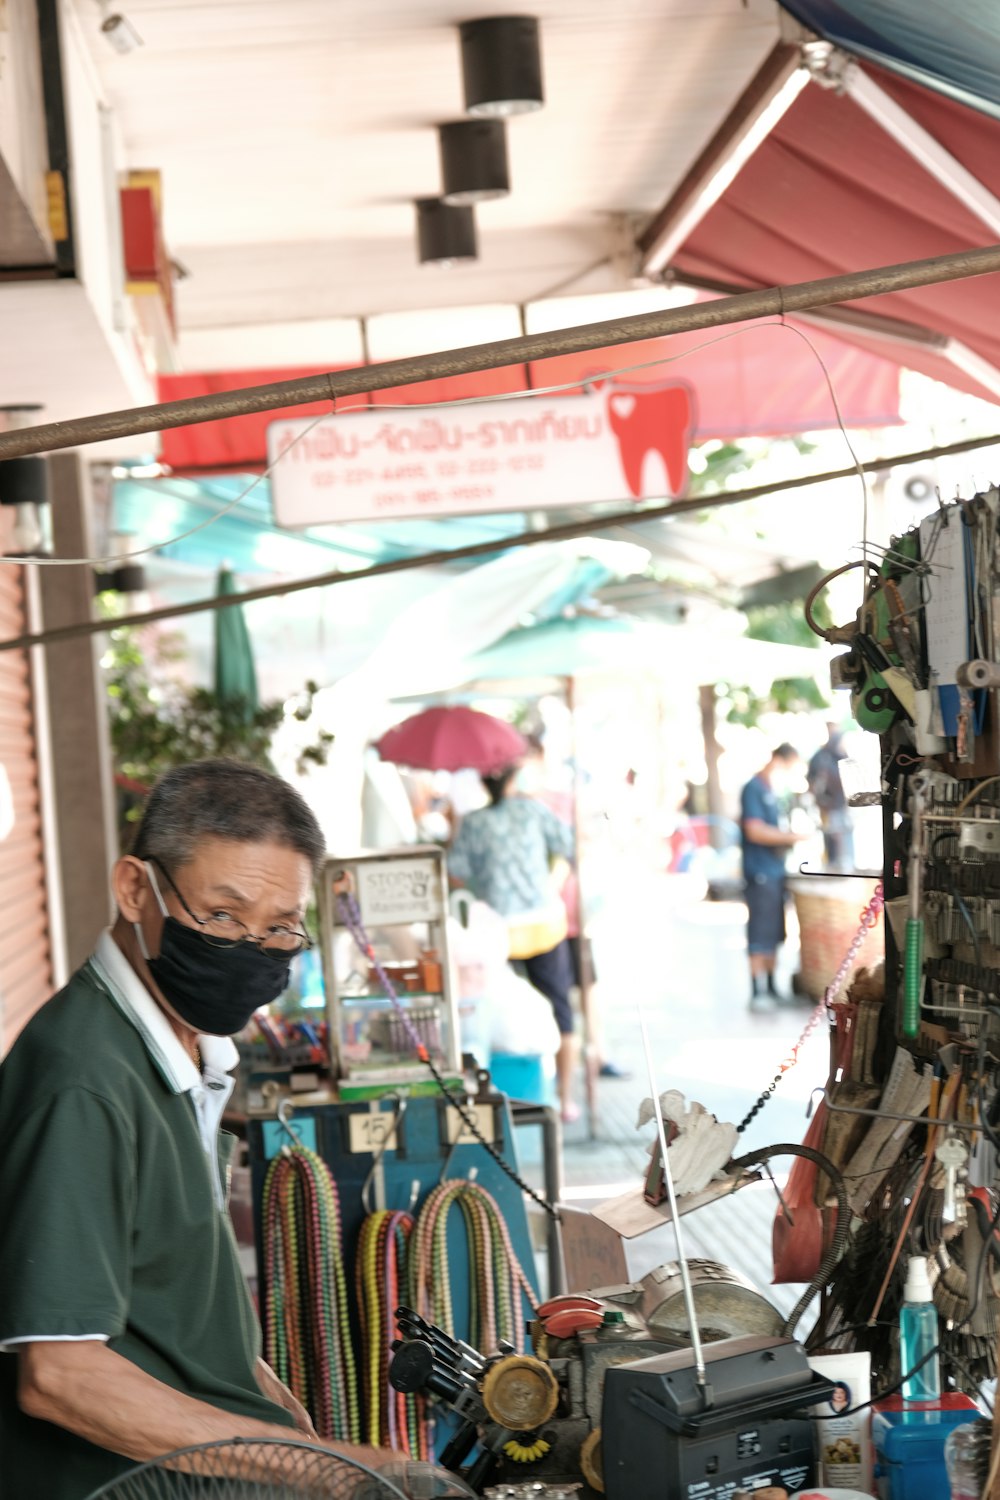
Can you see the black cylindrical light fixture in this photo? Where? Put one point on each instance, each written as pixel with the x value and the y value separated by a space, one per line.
pixel 473 161
pixel 24 481
pixel 446 232
pixel 501 65
pixel 24 485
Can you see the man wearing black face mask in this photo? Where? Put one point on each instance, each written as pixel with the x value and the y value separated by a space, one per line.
pixel 126 1328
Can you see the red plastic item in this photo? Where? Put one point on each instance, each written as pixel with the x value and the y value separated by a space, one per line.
pixel 563 1325
pixel 568 1299
pixel 950 1401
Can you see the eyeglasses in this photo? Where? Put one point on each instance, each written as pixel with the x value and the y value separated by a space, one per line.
pixel 224 930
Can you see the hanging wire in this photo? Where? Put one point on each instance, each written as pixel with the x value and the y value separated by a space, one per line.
pixel 551 390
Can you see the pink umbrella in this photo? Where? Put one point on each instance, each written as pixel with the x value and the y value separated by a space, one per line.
pixel 452 739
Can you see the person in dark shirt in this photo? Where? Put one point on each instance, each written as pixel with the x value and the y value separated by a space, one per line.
pixel 126 1326
pixel 827 787
pixel 765 844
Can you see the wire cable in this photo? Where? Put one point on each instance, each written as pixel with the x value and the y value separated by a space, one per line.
pixel 814 593
pixel 890 1390
pixel 839 1236
pixel 801 333
pixel 970 797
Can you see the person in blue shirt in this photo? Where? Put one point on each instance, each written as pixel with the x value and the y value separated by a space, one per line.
pixel 766 841
pixel 504 853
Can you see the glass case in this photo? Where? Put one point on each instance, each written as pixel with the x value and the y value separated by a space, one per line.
pixel 383 916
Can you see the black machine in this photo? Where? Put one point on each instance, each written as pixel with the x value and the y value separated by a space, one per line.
pixel 593 1408
pixel 666 1435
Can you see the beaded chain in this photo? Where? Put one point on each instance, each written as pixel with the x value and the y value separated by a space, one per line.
pixel 392 1419
pixel 868 919
pixel 496 1278
pixel 307 1334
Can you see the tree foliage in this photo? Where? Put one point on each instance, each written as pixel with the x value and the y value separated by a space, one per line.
pixel 784 624
pixel 158 721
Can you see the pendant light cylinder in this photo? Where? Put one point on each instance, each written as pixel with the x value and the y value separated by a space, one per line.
pixel 445 232
pixel 473 161
pixel 501 66
pixel 24 481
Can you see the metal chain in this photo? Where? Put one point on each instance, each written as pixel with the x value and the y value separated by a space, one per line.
pixel 868 919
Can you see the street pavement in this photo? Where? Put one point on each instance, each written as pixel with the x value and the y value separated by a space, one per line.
pixel 683 959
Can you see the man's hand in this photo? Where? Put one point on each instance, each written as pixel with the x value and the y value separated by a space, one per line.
pixel 759 832
pixel 275 1390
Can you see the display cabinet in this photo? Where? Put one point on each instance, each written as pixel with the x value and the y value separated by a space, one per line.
pixel 394 902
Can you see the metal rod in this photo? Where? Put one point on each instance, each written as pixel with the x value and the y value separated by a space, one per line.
pixel 523 1113
pixel 763 303
pixel 886 1114
pixel 563 532
pixel 668 1177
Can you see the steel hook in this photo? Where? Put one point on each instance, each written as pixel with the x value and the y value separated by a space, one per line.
pixel 284 1114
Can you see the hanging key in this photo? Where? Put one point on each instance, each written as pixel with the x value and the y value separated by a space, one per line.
pixel 953 1155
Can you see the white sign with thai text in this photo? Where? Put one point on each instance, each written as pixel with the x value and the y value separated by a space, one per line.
pixel 492 456
pixel 404 890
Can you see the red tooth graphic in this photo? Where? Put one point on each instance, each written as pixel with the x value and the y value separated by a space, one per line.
pixel 659 421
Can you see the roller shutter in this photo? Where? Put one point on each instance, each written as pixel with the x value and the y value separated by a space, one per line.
pixel 25 957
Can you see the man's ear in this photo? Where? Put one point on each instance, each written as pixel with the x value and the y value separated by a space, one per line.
pixel 131 887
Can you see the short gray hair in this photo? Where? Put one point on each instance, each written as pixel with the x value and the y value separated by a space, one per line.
pixel 224 799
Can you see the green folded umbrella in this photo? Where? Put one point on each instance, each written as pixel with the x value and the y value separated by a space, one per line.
pixel 235 674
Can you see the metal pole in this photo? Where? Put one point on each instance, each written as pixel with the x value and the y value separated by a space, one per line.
pixel 525 1113
pixel 590 1058
pixel 763 303
pixel 668 1177
pixel 564 532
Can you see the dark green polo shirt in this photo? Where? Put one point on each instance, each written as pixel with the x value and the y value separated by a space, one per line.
pixel 110 1225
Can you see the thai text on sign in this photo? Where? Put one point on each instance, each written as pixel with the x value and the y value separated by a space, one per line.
pixel 604 445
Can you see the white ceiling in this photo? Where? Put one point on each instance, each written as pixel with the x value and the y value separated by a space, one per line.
pixel 49 334
pixel 293 135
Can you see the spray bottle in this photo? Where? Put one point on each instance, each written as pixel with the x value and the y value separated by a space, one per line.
pixel 918 1335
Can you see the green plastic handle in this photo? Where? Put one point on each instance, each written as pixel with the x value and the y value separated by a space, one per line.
pixel 912 975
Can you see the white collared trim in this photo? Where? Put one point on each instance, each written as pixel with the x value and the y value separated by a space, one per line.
pixel 219 1053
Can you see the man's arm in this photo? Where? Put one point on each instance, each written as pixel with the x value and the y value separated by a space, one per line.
pixel 759 832
pixel 106 1399
pixel 275 1390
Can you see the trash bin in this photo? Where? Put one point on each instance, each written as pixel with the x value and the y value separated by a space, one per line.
pixel 829 912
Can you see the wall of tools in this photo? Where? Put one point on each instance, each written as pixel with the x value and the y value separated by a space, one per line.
pixel 911 1112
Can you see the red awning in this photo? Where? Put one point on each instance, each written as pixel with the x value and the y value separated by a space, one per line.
pixel 237 442
pixel 760 380
pixel 830 192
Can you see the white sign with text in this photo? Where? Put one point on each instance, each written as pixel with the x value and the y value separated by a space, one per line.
pixel 607 444
pixel 404 890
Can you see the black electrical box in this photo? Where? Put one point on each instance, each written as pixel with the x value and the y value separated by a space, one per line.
pixel 665 1437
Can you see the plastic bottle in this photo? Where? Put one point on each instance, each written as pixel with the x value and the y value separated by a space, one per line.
pixel 967 1458
pixel 918 1334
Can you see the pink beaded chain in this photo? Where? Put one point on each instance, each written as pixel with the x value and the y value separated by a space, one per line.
pixel 867 921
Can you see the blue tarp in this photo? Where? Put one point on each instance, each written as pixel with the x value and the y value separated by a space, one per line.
pixel 952 46
pixel 154 510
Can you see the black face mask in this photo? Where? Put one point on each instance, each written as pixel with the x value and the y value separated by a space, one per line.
pixel 215 990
